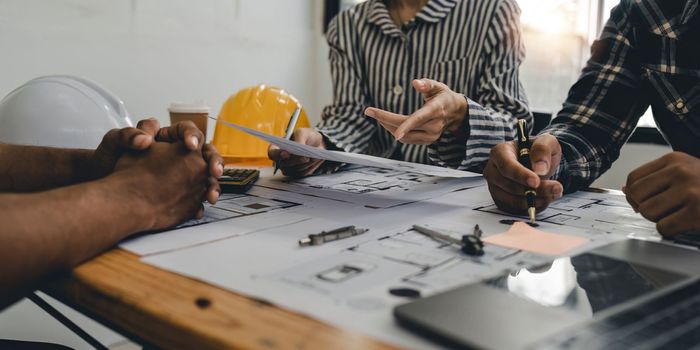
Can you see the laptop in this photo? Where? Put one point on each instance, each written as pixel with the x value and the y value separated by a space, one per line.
pixel 629 294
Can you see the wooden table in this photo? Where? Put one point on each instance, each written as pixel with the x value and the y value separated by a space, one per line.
pixel 165 310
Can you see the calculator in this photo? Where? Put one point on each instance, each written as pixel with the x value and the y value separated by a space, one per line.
pixel 237 180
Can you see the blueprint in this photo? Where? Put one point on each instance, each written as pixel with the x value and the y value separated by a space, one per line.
pixel 355 283
pixel 373 187
pixel 607 213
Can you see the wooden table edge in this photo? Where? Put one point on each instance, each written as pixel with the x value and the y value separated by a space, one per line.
pixel 159 308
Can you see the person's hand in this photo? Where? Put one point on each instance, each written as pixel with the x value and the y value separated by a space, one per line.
pixel 168 183
pixel 193 138
pixel 118 141
pixel 297 166
pixel 507 179
pixel 444 110
pixel 667 192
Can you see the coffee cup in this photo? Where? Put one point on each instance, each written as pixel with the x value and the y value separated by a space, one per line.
pixel 197 112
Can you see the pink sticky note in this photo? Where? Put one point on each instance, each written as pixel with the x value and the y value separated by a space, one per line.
pixel 522 236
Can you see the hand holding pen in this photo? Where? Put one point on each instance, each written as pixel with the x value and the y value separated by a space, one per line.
pixel 524 145
pixel 293 165
pixel 290 131
pixel 508 180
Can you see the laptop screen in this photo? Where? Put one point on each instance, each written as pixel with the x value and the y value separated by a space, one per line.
pixel 585 284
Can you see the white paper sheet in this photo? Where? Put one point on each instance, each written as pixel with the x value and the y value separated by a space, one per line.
pixel 373 187
pixel 347 283
pixel 349 158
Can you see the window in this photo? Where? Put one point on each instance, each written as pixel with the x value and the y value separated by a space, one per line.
pixel 557 36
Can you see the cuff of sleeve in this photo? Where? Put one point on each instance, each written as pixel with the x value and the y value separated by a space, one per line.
pixel 450 149
pixel 561 174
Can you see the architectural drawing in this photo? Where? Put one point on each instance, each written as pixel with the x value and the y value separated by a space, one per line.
pixel 372 187
pixel 605 213
pixel 234 205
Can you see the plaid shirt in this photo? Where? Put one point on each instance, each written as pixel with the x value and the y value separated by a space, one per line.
pixel 648 54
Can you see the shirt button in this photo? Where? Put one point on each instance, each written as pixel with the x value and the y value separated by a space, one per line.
pixel 680 105
pixel 398 90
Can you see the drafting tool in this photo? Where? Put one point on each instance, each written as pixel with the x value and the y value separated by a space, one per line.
pixel 470 244
pixel 524 159
pixel 330 236
pixel 290 130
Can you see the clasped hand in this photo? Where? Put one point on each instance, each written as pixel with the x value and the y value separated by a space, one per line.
pixel 170 168
pixel 667 192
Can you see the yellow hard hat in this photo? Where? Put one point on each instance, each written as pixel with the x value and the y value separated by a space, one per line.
pixel 263 108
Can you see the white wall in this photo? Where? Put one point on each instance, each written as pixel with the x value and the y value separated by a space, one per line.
pixel 153 52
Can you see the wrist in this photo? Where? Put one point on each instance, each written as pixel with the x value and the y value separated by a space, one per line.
pixel 126 190
pixel 458 117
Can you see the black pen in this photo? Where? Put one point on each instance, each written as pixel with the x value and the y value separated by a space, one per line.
pixel 524 159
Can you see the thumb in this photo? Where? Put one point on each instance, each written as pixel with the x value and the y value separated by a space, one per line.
pixel 545 154
pixel 117 141
pixel 427 87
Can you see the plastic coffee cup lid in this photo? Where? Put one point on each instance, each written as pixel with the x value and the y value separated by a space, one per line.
pixel 196 107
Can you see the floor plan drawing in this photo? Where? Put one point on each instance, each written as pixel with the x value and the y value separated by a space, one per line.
pixel 589 211
pixel 373 187
pixel 234 205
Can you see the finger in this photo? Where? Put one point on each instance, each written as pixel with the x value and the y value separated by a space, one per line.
pixel 213 191
pixel 544 151
pixel 660 205
pixel 433 126
pixel 185 131
pixel 293 161
pixel 504 158
pixel 274 153
pixel 301 170
pixel 118 140
pixel 388 128
pixel 681 221
pixel 427 87
pixel 213 158
pixel 418 118
pixel 644 170
pixel 649 186
pixel 517 204
pixel 150 126
pixel 547 188
pixel 385 117
pixel 419 137
pixel 200 212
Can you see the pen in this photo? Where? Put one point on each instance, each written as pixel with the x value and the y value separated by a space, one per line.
pixel 524 159
pixel 330 236
pixel 290 130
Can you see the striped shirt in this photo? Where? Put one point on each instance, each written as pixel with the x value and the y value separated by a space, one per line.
pixel 472 46
pixel 647 55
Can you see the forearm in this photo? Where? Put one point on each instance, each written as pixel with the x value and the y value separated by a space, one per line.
pixel 32 168
pixel 602 107
pixel 484 127
pixel 55 230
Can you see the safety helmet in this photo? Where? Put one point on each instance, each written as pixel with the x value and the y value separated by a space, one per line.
pixel 263 108
pixel 60 111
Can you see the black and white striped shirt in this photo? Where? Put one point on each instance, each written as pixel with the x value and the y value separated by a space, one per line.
pixel 473 46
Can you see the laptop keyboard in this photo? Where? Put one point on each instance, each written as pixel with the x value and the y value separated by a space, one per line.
pixel 670 321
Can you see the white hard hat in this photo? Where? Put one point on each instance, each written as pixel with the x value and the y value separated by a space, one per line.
pixel 60 111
